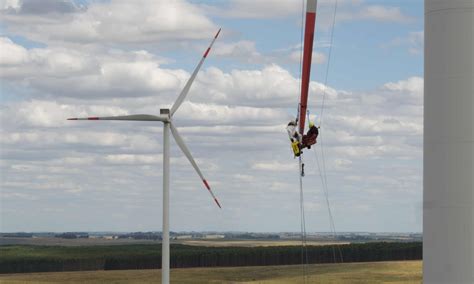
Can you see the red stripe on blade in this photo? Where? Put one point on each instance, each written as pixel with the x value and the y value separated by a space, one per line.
pixel 93 118
pixel 207 51
pixel 217 202
pixel 206 184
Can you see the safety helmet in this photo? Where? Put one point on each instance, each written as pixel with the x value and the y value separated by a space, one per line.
pixel 311 124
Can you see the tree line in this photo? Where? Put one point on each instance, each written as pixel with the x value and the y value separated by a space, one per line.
pixel 19 259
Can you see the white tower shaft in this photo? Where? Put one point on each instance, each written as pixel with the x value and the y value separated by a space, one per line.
pixel 448 211
pixel 165 245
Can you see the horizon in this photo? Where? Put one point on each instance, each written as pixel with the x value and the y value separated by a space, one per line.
pixel 276 232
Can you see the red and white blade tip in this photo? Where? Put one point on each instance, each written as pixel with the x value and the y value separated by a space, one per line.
pixel 210 191
pixel 209 48
pixel 217 202
pixel 87 118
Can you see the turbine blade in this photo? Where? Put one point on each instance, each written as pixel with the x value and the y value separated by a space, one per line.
pixel 188 155
pixel 186 88
pixel 135 117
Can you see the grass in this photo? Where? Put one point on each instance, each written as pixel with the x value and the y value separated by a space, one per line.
pixel 373 272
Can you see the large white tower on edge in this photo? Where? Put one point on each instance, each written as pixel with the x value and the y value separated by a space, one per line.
pixel 448 210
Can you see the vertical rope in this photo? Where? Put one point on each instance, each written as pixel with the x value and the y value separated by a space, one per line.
pixel 320 123
pixel 324 185
pixel 323 175
pixel 304 248
pixel 303 221
pixel 327 65
pixel 331 218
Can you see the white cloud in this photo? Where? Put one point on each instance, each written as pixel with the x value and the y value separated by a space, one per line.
pixel 341 164
pixel 244 178
pixel 133 159
pixel 384 14
pixel 12 54
pixel 83 73
pixel 9 5
pixel 317 57
pixel 411 89
pixel 271 86
pixel 264 9
pixel 275 166
pixel 350 10
pixel 115 22
pixel 414 42
pixel 248 9
pixel 19 62
pixel 47 7
pixel 250 157
pixel 222 114
pixel 376 13
pixel 243 50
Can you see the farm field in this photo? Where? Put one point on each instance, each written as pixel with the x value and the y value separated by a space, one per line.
pixel 254 243
pixel 209 243
pixel 369 272
pixel 71 242
pixel 30 259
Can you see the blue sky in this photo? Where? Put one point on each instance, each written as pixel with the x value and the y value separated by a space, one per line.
pixel 86 58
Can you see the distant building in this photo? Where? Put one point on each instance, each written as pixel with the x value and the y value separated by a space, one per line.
pixel 184 237
pixel 214 236
pixel 110 237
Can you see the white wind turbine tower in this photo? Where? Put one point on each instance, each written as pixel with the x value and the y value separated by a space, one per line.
pixel 166 116
pixel 448 167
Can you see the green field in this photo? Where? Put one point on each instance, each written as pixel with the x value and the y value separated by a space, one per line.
pixel 374 272
pixel 30 259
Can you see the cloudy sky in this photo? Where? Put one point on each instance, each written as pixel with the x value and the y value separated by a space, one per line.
pixel 68 58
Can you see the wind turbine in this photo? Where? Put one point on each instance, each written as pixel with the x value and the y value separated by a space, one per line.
pixel 166 116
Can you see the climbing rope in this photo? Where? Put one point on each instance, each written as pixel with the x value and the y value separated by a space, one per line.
pixel 304 248
pixel 324 185
pixel 327 65
pixel 321 141
pixel 331 218
pixel 322 173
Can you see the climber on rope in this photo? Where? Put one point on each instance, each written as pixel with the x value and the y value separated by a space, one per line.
pixel 310 137
pixel 295 137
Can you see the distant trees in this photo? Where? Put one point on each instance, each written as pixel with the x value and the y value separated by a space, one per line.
pixel 66 236
pixel 16 235
pixel 141 236
pixel 15 259
pixel 71 235
pixel 252 236
pixel 184 256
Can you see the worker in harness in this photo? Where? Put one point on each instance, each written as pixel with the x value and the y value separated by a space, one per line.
pixel 310 137
pixel 295 137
